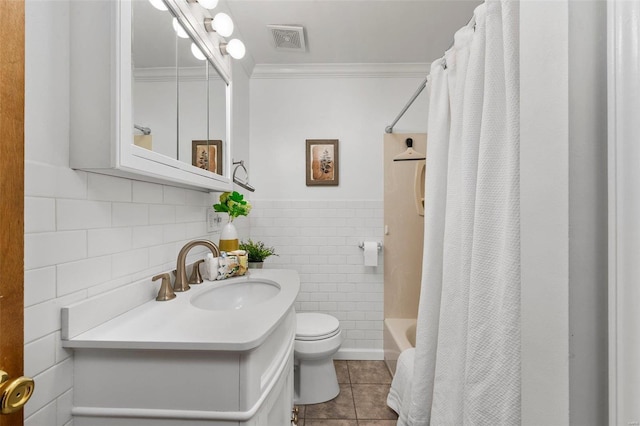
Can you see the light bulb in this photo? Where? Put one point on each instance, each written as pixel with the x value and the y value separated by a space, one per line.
pixel 158 4
pixel 178 29
pixel 222 24
pixel 197 52
pixel 236 48
pixel 208 4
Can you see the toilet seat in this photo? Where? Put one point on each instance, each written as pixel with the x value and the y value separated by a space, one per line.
pixel 312 326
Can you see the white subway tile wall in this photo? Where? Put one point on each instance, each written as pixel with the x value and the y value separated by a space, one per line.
pixel 320 240
pixel 86 234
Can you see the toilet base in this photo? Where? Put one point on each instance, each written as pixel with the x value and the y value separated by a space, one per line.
pixel 315 381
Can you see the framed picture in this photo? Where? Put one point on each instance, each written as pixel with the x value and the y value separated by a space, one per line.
pixel 322 162
pixel 207 155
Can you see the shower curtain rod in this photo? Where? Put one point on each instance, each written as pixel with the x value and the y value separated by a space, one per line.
pixel 389 129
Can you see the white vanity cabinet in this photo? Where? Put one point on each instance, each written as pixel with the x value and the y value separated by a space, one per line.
pixel 101 98
pixel 129 387
pixel 180 363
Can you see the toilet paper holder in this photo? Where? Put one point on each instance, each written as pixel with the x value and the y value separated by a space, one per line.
pixel 361 245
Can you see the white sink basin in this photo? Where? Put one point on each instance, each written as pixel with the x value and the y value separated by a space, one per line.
pixel 236 314
pixel 236 295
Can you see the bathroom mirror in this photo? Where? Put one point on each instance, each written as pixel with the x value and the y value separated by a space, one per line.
pixel 179 100
pixel 217 117
pixel 192 98
pixel 154 82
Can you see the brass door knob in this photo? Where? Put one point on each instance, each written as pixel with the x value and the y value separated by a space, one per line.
pixel 14 393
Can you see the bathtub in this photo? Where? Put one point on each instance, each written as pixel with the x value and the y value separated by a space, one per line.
pixel 399 334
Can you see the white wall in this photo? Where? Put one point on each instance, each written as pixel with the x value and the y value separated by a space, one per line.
pixel 316 230
pixel 287 111
pixel 544 203
pixel 84 233
pixel 588 372
pixel 564 216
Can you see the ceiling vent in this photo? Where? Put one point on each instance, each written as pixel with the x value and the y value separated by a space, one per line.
pixel 288 37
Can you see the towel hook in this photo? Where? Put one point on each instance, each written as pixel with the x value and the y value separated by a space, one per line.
pixel 243 183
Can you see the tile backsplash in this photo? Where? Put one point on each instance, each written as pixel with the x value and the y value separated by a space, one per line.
pixel 87 234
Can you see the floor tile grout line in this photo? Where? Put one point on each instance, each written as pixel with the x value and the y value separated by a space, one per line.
pixel 353 398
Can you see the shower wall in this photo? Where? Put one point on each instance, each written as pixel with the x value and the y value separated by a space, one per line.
pixel 404 226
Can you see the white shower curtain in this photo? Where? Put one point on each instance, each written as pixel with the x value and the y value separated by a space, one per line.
pixel 467 356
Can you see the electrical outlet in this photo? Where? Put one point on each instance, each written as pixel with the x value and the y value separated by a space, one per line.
pixel 214 221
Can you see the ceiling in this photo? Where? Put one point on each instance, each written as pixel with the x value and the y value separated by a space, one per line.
pixel 350 31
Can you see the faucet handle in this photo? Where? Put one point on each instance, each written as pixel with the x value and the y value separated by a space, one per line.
pixel 196 277
pixel 166 291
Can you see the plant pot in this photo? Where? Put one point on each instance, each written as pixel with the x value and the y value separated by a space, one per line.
pixel 229 238
pixel 255 265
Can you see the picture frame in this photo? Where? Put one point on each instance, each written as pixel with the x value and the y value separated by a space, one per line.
pixel 322 162
pixel 207 155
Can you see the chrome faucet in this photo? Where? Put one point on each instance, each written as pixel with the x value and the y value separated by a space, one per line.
pixel 181 283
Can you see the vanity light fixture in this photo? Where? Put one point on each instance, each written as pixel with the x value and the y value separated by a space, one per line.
pixel 159 4
pixel 221 23
pixel 234 48
pixel 207 4
pixel 178 29
pixel 195 50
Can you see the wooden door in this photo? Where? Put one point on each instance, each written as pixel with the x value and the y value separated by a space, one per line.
pixel 11 193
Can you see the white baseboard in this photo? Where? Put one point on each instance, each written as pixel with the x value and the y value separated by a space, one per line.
pixel 360 354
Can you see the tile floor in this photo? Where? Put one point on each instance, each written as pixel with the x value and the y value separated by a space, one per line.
pixel 362 400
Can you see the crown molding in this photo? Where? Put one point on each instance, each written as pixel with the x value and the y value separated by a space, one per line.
pixel 273 71
pixel 276 71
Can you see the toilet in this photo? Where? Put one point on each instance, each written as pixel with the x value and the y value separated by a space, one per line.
pixel 318 338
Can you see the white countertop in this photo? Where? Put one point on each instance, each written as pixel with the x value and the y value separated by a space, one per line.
pixel 178 325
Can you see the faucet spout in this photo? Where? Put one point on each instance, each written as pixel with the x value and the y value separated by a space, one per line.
pixel 181 283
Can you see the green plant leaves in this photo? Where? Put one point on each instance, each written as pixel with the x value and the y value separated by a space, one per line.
pixel 234 204
pixel 257 251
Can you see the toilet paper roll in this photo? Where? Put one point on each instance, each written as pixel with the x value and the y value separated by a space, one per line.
pixel 370 253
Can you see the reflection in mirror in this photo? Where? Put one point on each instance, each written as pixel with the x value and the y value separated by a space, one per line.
pixel 179 98
pixel 155 105
pixel 217 116
pixel 192 98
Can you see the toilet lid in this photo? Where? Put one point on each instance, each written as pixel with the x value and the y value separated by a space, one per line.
pixel 315 326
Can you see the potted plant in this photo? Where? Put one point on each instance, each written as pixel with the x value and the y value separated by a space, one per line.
pixel 257 252
pixel 235 205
